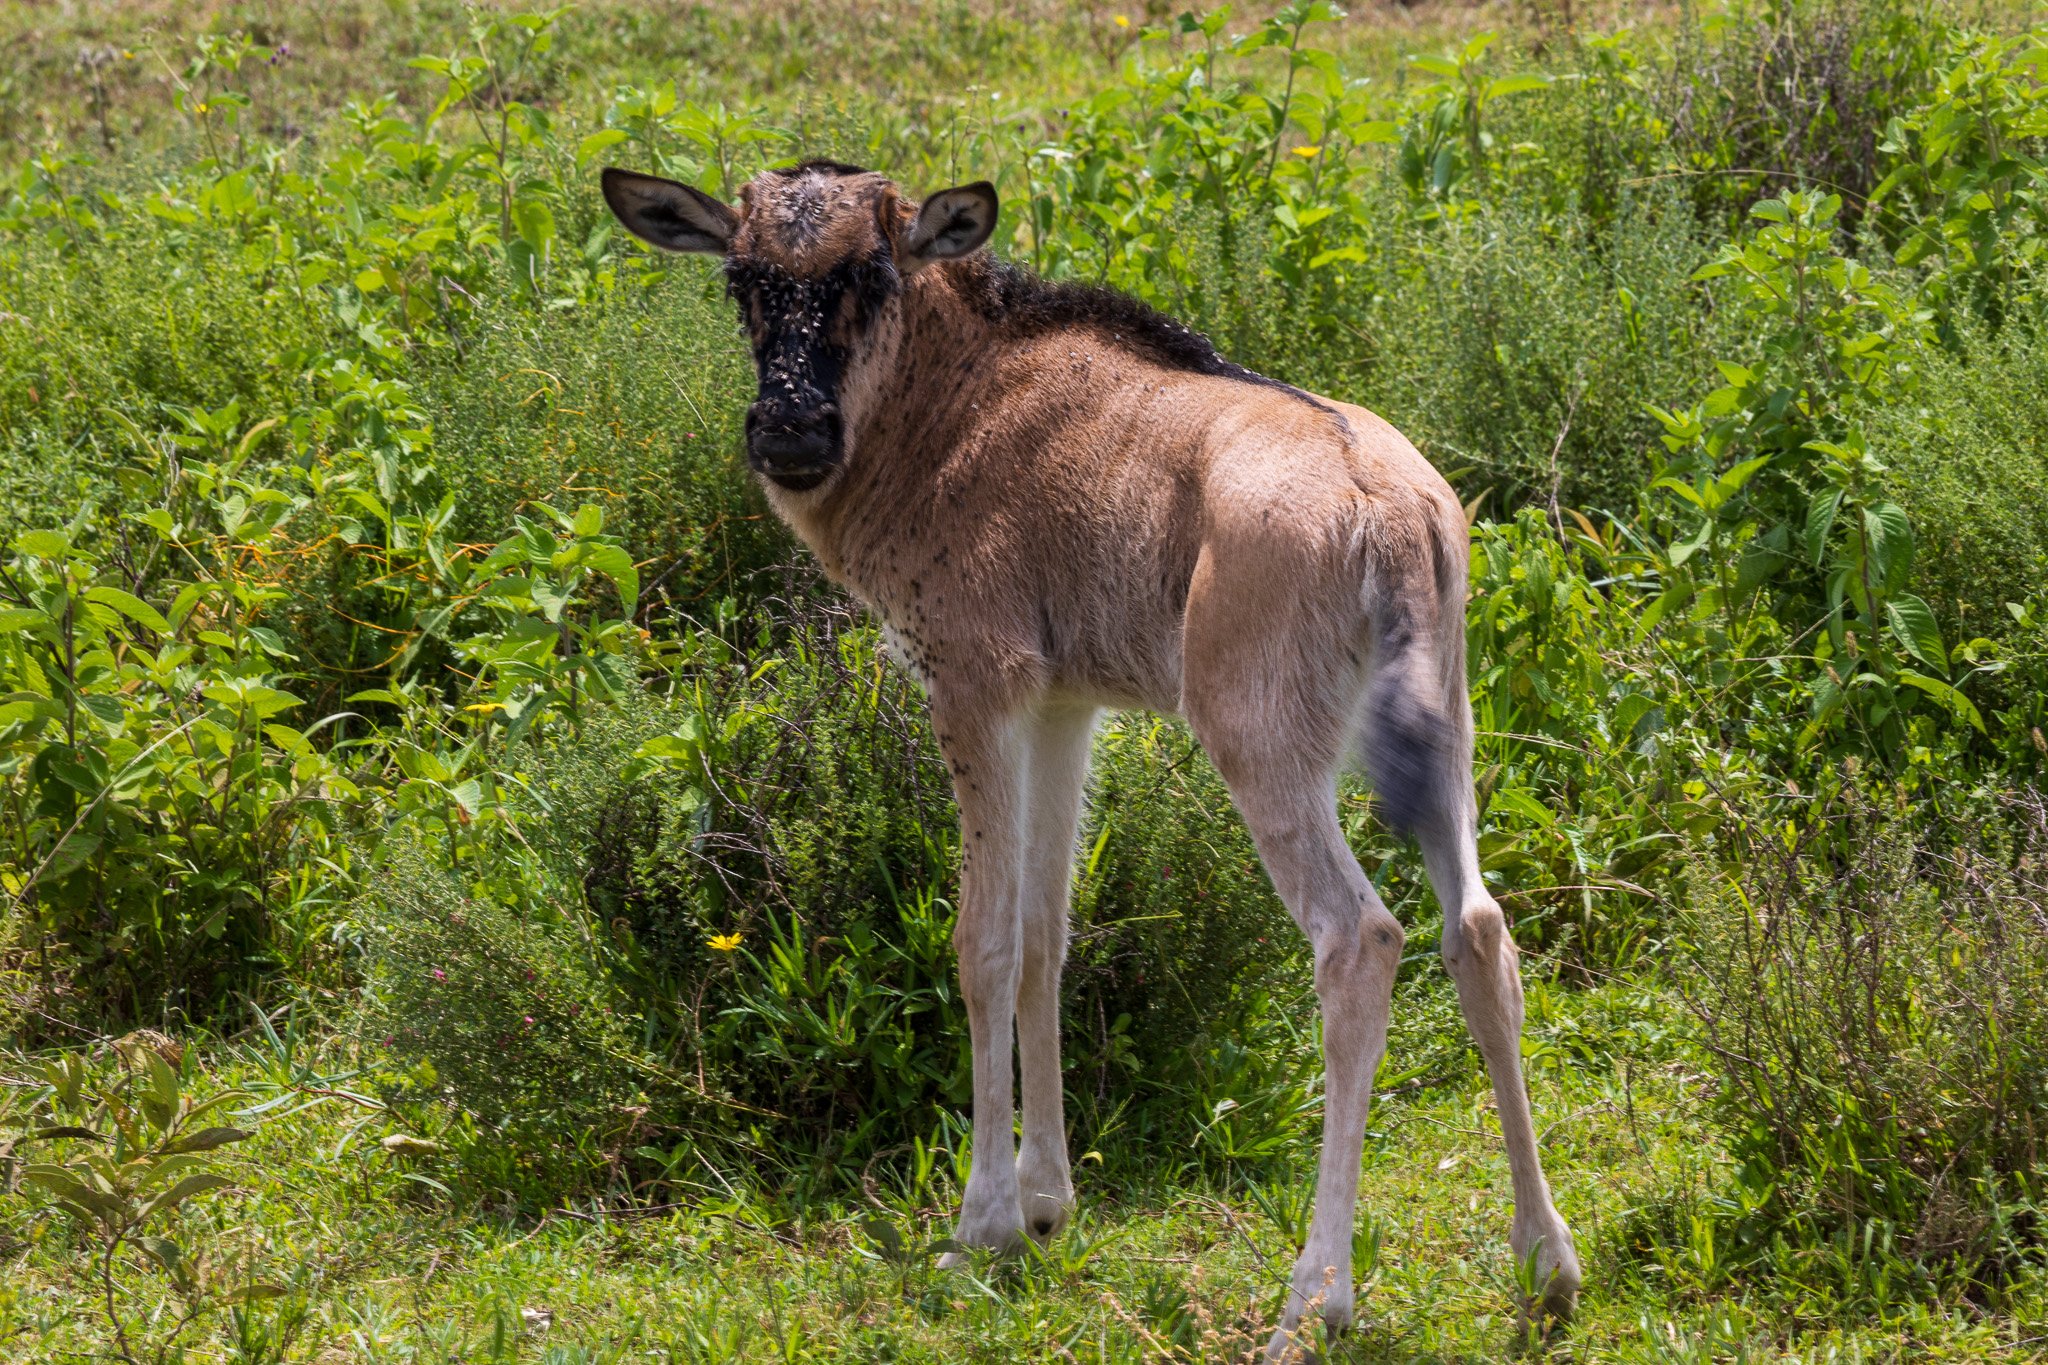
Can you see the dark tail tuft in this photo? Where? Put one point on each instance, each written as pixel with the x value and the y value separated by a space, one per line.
pixel 1406 734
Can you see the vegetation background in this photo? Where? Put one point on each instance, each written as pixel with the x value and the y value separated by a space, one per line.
pixel 470 892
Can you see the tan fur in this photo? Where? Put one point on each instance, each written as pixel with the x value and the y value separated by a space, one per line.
pixel 809 223
pixel 1054 523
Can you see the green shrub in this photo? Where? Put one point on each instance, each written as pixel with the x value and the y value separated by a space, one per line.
pixel 772 851
pixel 633 402
pixel 509 1006
pixel 1969 462
pixel 1519 347
pixel 1873 987
pixel 1178 939
pixel 765 859
pixel 1783 94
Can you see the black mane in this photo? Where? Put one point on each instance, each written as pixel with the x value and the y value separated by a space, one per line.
pixel 1026 304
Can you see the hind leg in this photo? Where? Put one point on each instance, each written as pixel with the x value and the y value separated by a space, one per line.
pixel 1271 701
pixel 1278 752
pixel 1290 806
pixel 1482 961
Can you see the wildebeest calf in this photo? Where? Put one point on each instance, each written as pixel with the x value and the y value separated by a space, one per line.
pixel 1058 500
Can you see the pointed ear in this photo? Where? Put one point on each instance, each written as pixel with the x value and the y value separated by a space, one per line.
pixel 952 223
pixel 668 215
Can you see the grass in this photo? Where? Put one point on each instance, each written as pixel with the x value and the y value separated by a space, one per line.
pixel 91 75
pixel 383 1266
pixel 392 1273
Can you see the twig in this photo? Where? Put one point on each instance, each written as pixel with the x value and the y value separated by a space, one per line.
pixel 1556 449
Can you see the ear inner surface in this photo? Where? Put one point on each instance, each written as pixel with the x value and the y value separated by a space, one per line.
pixel 954 222
pixel 669 215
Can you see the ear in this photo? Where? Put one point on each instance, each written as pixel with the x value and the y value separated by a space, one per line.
pixel 668 215
pixel 952 223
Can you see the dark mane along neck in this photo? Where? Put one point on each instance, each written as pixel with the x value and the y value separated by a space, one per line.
pixel 1022 304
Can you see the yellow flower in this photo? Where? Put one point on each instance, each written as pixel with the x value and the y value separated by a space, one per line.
pixel 724 943
pixel 1306 151
pixel 1122 22
pixel 202 106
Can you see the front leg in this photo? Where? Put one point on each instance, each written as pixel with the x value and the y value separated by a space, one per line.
pixel 986 753
pixel 1054 776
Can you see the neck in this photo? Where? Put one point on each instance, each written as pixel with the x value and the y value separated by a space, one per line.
pixel 929 386
pixel 925 393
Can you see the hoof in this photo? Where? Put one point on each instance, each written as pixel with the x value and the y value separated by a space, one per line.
pixel 1045 1217
pixel 986 1224
pixel 1550 1279
pixel 1045 1191
pixel 1293 1346
pixel 1313 1292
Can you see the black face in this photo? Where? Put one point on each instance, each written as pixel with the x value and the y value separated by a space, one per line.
pixel 803 331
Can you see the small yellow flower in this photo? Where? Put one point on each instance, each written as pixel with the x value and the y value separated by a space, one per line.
pixel 1306 151
pixel 1122 22
pixel 724 943
pixel 202 106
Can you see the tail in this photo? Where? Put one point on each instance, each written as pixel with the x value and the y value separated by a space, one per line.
pixel 1407 736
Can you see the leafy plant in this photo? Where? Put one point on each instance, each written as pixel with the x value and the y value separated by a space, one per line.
pixel 1874 994
pixel 124 1155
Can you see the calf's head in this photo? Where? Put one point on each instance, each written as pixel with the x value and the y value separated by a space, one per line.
pixel 815 257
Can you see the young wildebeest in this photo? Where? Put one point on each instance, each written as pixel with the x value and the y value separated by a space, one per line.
pixel 1058 500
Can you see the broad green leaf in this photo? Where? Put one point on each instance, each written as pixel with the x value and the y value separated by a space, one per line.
pixel 1515 85
pixel 157 520
pixel 614 563
pixel 70 855
pixel 1820 520
pixel 1730 483
pixel 185 1189
pixel 254 1293
pixel 1945 693
pixel 597 142
pixel 60 1183
pixel 535 222
pixel 164 1252
pixel 160 1100
pixel 1890 535
pixel 130 606
pixel 1914 627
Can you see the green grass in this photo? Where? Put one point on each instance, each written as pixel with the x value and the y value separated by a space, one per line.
pixel 98 75
pixel 382 1265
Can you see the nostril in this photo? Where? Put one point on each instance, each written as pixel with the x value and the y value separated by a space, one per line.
pixel 1044 1226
